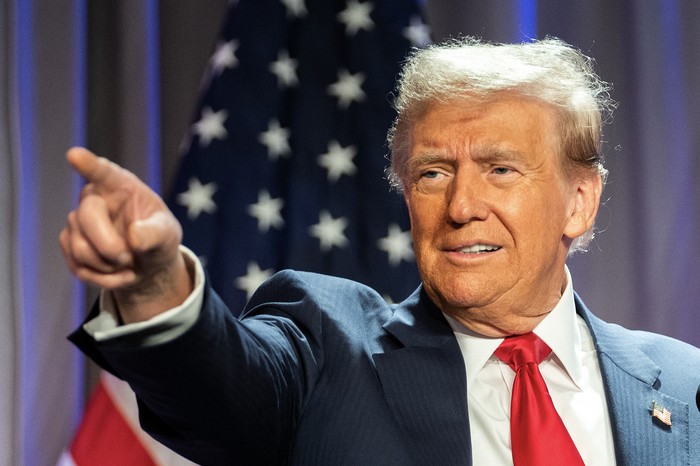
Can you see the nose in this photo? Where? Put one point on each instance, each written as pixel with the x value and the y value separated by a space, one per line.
pixel 466 199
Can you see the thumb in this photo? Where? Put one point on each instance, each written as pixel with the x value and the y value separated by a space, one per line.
pixel 158 233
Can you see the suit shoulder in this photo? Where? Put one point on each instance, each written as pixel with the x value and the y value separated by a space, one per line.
pixel 655 345
pixel 322 286
pixel 658 345
pixel 677 360
pixel 616 337
pixel 329 295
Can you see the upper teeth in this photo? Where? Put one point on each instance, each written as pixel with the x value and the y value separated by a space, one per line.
pixel 479 248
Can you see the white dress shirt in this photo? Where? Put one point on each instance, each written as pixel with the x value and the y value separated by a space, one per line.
pixel 572 375
pixel 571 372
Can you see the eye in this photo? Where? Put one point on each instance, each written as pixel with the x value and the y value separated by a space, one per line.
pixel 432 180
pixel 431 174
pixel 502 175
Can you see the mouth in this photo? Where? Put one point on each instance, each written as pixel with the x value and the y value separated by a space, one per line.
pixel 478 249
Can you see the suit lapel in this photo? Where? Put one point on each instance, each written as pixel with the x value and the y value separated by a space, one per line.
pixel 631 381
pixel 424 381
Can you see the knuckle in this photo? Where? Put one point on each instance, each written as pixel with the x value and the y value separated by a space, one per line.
pixel 83 274
pixel 87 190
pixel 63 237
pixel 82 252
pixel 72 219
pixel 90 201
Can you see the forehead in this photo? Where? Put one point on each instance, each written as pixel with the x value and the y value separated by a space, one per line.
pixel 505 122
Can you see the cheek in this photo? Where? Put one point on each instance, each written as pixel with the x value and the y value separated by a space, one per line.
pixel 423 229
pixel 419 235
pixel 532 218
pixel 421 215
pixel 548 231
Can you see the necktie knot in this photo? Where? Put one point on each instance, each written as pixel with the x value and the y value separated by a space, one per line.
pixel 523 349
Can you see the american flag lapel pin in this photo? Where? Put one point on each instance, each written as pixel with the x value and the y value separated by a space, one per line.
pixel 660 413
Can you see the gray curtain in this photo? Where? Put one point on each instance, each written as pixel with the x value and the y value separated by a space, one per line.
pixel 123 78
pixel 41 95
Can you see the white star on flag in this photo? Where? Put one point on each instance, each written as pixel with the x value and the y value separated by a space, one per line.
pixel 224 56
pixel 301 137
pixel 418 33
pixel 338 161
pixel 211 126
pixel 348 88
pixel 276 139
pixel 198 198
pixel 356 17
pixel 295 8
pixel 267 212
pixel 253 278
pixel 397 244
pixel 285 69
pixel 329 231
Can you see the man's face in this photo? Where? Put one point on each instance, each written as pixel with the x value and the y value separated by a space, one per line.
pixel 492 213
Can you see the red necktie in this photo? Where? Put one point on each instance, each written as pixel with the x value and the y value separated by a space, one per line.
pixel 538 435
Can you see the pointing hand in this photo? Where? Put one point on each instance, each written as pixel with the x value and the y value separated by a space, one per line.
pixel 122 237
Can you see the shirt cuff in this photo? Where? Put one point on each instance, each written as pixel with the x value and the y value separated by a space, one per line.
pixel 159 329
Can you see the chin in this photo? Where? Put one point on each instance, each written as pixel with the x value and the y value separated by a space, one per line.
pixel 457 298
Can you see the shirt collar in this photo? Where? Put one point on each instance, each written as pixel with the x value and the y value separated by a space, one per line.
pixel 559 329
pixel 561 332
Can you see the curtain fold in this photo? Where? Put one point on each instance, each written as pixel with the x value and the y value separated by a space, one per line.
pixel 44 105
pixel 8 355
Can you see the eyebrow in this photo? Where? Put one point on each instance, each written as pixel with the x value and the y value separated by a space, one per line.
pixel 428 159
pixel 493 153
pixel 488 154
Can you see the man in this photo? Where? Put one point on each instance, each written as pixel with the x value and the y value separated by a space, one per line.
pixel 497 151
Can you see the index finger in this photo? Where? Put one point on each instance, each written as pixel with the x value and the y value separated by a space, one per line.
pixel 97 170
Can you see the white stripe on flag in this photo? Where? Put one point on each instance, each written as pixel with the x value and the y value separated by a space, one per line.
pixel 110 433
pixel 66 460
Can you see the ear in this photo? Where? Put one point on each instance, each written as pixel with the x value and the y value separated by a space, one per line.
pixel 584 204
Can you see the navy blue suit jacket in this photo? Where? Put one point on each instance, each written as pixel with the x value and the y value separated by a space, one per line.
pixel 321 371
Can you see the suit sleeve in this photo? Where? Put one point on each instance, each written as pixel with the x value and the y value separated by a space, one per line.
pixel 228 390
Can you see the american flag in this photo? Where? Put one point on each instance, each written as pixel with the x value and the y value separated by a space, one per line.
pixel 284 164
pixel 660 413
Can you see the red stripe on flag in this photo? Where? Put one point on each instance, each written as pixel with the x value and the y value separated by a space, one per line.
pixel 105 438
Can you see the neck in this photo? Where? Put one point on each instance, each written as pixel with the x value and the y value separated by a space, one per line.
pixel 515 325
pixel 503 317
